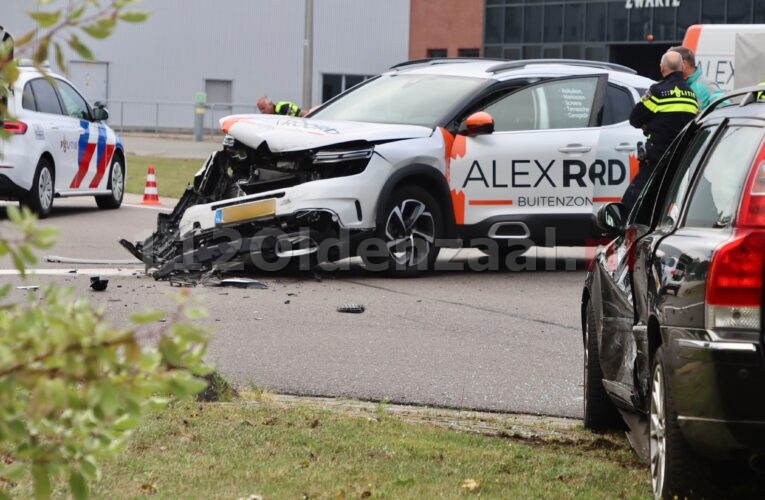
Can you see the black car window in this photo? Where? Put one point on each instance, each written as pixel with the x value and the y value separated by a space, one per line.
pixel 618 105
pixel 718 189
pixel 669 214
pixel 74 104
pixel 556 104
pixel 45 96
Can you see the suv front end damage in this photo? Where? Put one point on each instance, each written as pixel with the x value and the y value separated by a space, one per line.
pixel 252 206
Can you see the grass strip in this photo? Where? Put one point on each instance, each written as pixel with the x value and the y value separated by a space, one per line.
pixel 172 174
pixel 249 449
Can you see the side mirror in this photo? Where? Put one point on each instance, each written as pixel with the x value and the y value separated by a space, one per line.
pixel 100 113
pixel 478 123
pixel 611 219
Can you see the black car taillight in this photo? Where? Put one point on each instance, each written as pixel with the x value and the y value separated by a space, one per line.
pixel 14 127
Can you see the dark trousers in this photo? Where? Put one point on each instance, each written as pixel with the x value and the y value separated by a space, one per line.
pixel 636 186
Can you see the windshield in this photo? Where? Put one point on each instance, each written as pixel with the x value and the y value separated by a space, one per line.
pixel 405 99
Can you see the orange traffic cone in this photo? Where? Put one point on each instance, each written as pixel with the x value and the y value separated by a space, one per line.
pixel 150 195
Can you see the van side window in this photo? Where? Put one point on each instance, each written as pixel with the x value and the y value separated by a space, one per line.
pixel 45 96
pixel 617 106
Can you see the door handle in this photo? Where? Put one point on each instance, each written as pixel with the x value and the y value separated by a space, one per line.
pixel 625 147
pixel 574 148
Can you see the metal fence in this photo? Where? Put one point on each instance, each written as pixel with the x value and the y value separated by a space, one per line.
pixel 157 116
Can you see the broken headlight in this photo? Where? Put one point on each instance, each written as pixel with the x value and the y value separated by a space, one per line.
pixel 341 162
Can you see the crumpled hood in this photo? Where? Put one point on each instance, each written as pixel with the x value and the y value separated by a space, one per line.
pixel 285 133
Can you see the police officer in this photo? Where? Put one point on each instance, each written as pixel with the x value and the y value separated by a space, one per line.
pixel 662 112
pixel 267 106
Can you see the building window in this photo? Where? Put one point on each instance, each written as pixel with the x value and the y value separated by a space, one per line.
pixel 513 24
pixel 712 12
pixel 553 25
pixel 437 52
pixel 469 52
pixel 739 11
pixel 333 84
pixel 532 31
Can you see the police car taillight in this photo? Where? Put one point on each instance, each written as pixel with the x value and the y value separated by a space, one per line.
pixel 15 127
pixel 733 295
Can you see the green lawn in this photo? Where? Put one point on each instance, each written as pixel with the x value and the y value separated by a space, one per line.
pixel 233 450
pixel 173 175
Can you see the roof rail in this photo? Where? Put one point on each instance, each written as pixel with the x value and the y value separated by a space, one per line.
pixel 521 63
pixel 440 60
pixel 28 62
pixel 755 93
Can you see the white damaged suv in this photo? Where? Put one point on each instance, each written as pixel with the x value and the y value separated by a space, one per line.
pixel 498 155
pixel 55 144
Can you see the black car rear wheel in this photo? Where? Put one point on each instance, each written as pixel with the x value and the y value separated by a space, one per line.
pixel 676 470
pixel 599 412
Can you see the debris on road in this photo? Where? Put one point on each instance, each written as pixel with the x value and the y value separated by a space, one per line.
pixel 97 284
pixel 107 262
pixel 28 287
pixel 243 283
pixel 351 308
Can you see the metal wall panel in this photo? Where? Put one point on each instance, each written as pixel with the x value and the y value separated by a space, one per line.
pixel 257 44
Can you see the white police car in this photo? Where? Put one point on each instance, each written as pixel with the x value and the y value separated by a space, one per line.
pixel 54 144
pixel 498 155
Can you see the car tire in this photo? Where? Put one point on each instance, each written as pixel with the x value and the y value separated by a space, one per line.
pixel 676 470
pixel 600 413
pixel 116 184
pixel 40 198
pixel 412 224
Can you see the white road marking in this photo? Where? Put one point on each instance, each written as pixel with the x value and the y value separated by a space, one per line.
pixel 114 271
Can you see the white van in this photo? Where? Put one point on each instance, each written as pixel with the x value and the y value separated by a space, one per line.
pixel 729 54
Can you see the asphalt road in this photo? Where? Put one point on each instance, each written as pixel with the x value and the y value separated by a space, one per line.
pixel 502 341
pixel 491 340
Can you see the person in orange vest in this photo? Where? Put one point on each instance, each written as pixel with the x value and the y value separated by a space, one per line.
pixel 267 106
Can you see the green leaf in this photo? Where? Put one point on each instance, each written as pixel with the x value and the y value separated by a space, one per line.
pixel 80 48
pixel 46 19
pixel 60 62
pixel 147 317
pixel 126 422
pixel 78 485
pixel 77 13
pixel 14 472
pixel 97 31
pixel 135 16
pixel 41 481
pixel 90 469
pixel 41 54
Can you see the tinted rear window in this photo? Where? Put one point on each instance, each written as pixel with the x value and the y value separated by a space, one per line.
pixel 718 189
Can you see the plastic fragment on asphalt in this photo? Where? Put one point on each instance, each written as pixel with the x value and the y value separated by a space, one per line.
pixel 243 283
pixel 97 284
pixel 351 308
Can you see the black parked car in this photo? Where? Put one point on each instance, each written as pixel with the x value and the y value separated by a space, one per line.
pixel 672 307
